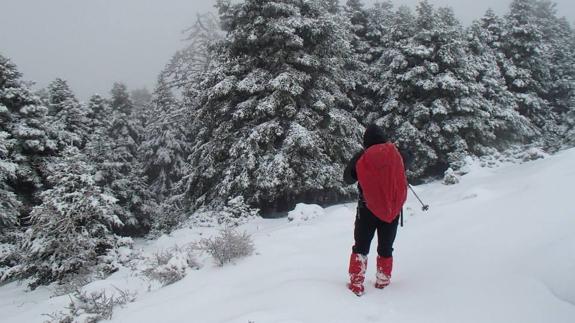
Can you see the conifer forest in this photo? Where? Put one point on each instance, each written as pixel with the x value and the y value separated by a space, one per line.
pixel 261 110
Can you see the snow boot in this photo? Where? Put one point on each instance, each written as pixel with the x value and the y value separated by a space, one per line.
pixel 357 266
pixel 383 276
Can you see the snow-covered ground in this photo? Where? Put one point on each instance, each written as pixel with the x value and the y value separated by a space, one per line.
pixel 497 247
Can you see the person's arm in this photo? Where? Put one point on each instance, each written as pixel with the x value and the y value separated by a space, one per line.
pixel 349 174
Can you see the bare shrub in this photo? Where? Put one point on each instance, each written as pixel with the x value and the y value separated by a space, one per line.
pixel 227 246
pixel 170 265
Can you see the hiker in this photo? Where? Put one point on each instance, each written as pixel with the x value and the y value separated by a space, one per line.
pixel 380 172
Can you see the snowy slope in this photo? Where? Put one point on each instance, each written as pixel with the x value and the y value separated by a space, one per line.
pixel 498 247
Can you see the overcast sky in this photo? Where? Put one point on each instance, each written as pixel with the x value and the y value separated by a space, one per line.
pixel 93 43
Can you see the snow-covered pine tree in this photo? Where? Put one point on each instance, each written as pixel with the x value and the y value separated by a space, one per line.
pixel 332 6
pixel 99 143
pixel 165 147
pixel 359 23
pixel 529 76
pixel 559 40
pixel 493 34
pixel 507 125
pixel 569 120
pixel 141 99
pixel 493 30
pixel 271 123
pixel 25 141
pixel 569 115
pixel 361 38
pixel 98 114
pixel 119 169
pixel 385 30
pixel 395 30
pixel 383 24
pixel 58 95
pixel 163 153
pixel 431 101
pixel 72 229
pixel 9 204
pixel 69 123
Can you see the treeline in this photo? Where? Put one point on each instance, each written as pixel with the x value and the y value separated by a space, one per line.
pixel 70 180
pixel 262 110
pixel 274 104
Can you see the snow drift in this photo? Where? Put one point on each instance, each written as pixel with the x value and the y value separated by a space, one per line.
pixel 497 247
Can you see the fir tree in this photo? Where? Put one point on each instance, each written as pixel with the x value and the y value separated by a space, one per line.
pixel 529 75
pixel 559 42
pixel 508 126
pixel 100 121
pixel 164 149
pixel 72 229
pixel 332 6
pixel 394 30
pixel 270 123
pixel 98 114
pixel 9 204
pixel 570 125
pixel 24 142
pixel 437 100
pixel 141 99
pixel 359 25
pixel 119 169
pixel 68 118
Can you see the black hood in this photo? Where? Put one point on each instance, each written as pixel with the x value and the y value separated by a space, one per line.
pixel 373 135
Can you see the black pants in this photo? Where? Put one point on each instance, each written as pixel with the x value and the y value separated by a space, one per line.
pixel 366 223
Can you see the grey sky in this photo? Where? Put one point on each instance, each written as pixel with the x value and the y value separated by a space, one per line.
pixel 93 43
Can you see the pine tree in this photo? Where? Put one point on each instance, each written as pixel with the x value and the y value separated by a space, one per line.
pixel 332 6
pixel 358 78
pixel 559 42
pixel 270 123
pixel 508 126
pixel 569 117
pixel 98 114
pixel 394 30
pixel 24 143
pixel 164 149
pixel 493 32
pixel 68 118
pixel 99 143
pixel 384 25
pixel 72 229
pixel 119 169
pixel 141 99
pixel 9 204
pixel 529 75
pixel 437 100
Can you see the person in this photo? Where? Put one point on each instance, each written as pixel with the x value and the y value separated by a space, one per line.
pixel 367 223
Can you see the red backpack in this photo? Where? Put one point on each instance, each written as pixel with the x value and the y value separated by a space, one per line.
pixel 381 176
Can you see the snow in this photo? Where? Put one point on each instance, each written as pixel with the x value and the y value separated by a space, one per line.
pixel 496 247
pixel 305 212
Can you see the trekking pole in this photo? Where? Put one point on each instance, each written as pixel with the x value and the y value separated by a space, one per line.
pixel 424 207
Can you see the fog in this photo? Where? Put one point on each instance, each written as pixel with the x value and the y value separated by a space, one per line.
pixel 93 43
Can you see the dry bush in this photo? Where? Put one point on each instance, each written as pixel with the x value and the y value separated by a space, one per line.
pixel 169 266
pixel 91 307
pixel 227 246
